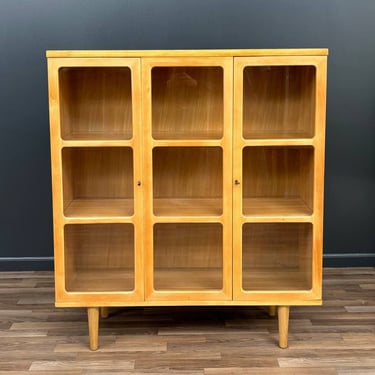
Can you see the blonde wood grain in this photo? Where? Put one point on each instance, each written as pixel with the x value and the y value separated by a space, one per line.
pixel 278 102
pixel 100 207
pixel 189 181
pixel 93 322
pixel 283 315
pixel 96 103
pixel 274 173
pixel 99 175
pixel 189 53
pixel 187 102
pixel 277 256
pixel 99 257
pixel 104 312
pixel 188 207
pixel 275 206
pixel 272 311
pixel 188 173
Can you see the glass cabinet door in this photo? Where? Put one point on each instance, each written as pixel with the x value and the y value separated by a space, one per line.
pixel 277 168
pixel 188 159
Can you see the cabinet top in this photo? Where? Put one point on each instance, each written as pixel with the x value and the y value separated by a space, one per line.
pixel 197 52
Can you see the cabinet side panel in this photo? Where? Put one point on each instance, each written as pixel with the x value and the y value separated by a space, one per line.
pixel 56 171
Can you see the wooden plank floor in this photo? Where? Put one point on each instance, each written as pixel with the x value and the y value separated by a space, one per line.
pixel 337 338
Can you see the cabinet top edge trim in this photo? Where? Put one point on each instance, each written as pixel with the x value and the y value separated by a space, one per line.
pixel 187 53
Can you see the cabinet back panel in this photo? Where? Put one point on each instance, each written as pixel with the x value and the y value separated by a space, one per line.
pixel 96 103
pixel 188 245
pixel 99 253
pixel 187 102
pixel 278 101
pixel 278 172
pixel 98 173
pixel 276 250
pixel 188 172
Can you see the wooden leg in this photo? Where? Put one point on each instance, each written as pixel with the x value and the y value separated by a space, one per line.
pixel 93 319
pixel 104 312
pixel 283 313
pixel 272 311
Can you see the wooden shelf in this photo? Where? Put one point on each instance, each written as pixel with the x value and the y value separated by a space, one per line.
pixel 99 257
pixel 187 102
pixel 100 207
pixel 278 102
pixel 277 256
pixel 97 136
pixel 99 280
pixel 186 279
pixel 96 103
pixel 188 256
pixel 188 207
pixel 184 136
pixel 274 279
pixel 280 206
pixel 98 181
pixel 271 134
pixel 187 175
pixel 278 180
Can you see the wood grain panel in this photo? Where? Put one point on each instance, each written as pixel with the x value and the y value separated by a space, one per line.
pixel 94 178
pixel 188 173
pixel 96 102
pixel 278 102
pixel 277 256
pixel 187 102
pixel 273 173
pixel 99 257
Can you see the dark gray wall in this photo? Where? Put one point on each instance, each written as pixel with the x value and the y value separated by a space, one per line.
pixel 28 28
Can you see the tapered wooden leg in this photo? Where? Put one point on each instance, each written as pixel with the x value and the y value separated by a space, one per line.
pixel 283 313
pixel 272 311
pixel 104 312
pixel 93 320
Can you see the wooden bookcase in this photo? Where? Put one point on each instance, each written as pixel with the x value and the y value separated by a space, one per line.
pixel 187 178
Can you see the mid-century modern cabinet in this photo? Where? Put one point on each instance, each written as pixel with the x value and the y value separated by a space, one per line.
pixel 187 178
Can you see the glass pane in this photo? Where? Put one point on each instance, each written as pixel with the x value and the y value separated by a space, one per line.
pixel 188 257
pixel 187 102
pixel 278 181
pixel 277 256
pixel 99 257
pixel 96 103
pixel 188 181
pixel 98 181
pixel 278 102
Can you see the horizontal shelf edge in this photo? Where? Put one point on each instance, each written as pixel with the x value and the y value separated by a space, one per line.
pixel 99 220
pixel 277 219
pixel 95 143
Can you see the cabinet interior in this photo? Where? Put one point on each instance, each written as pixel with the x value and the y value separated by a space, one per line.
pixel 278 180
pixel 276 256
pixel 278 102
pixel 98 181
pixel 187 181
pixel 95 103
pixel 99 257
pixel 188 256
pixel 187 102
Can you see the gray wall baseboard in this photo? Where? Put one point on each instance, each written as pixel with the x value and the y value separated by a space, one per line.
pixel 26 264
pixel 46 263
pixel 349 260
